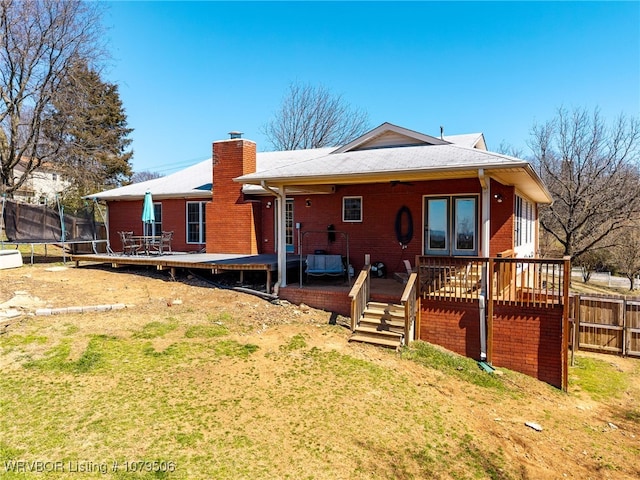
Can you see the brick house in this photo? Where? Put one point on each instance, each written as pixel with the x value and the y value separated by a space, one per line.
pixel 459 199
pixel 393 196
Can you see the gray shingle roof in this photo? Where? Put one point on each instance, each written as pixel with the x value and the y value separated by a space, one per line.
pixel 324 166
pixel 192 182
pixel 380 161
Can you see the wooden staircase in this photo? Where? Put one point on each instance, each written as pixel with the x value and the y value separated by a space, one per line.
pixel 385 324
pixel 381 324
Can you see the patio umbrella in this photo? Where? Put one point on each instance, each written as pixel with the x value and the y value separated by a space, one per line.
pixel 148 216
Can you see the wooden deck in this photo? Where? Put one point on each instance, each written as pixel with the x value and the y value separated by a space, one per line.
pixel 214 262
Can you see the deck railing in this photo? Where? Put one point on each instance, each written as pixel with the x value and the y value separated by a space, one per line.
pixel 450 278
pixel 530 281
pixel 520 281
pixel 359 295
pixel 410 304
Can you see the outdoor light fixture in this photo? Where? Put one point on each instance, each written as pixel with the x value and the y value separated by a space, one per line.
pixel 498 197
pixel 268 204
pixel 307 202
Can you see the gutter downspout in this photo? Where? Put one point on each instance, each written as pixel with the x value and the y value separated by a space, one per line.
pixel 281 244
pixel 486 236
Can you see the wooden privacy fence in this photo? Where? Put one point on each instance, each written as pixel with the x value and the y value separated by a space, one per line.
pixel 605 323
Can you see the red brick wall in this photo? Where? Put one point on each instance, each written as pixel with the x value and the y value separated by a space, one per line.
pixel 231 225
pixel 501 218
pixel 375 235
pixel 525 339
pixel 237 225
pixel 331 301
pixel 452 325
pixel 127 216
pixel 529 340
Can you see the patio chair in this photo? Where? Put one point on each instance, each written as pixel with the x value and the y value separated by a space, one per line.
pixel 129 245
pixel 403 277
pixel 163 245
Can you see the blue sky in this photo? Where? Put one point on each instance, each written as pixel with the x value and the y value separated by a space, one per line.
pixel 189 72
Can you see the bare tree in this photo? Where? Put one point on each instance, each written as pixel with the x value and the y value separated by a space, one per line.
pixel 591 170
pixel 506 148
pixel 314 117
pixel 590 261
pixel 39 40
pixel 144 175
pixel 626 255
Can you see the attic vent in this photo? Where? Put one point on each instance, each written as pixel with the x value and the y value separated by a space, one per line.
pixel 235 134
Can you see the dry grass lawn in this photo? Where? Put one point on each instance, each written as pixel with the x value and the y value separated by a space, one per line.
pixel 195 382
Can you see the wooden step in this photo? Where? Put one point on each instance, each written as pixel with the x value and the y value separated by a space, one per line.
pixel 381 324
pixel 376 333
pixel 383 306
pixel 388 310
pixel 389 342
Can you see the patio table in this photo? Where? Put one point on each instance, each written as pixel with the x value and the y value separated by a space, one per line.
pixel 146 242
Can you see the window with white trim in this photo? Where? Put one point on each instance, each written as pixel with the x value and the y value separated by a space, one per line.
pixel 196 222
pixel 524 222
pixel 157 223
pixel 351 209
pixel 451 225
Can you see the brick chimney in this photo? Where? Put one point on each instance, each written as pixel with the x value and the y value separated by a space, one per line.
pixel 231 226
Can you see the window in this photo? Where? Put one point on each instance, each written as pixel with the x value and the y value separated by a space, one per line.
pixel 157 213
pixel 288 224
pixel 196 222
pixel 289 230
pixel 465 224
pixel 451 225
pixel 437 225
pixel 352 209
pixel 524 226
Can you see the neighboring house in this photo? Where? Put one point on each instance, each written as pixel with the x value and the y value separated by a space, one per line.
pixel 42 185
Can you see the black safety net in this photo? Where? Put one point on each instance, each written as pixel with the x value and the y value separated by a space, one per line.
pixel 28 223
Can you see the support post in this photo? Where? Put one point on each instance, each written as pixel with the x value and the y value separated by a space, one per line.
pixel 282 240
pixel 489 302
pixel 575 340
pixel 486 236
pixel 566 279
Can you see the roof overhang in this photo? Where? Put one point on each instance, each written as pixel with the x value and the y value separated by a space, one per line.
pixel 128 198
pixel 522 176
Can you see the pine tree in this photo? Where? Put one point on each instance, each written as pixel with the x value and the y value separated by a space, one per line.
pixel 90 123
